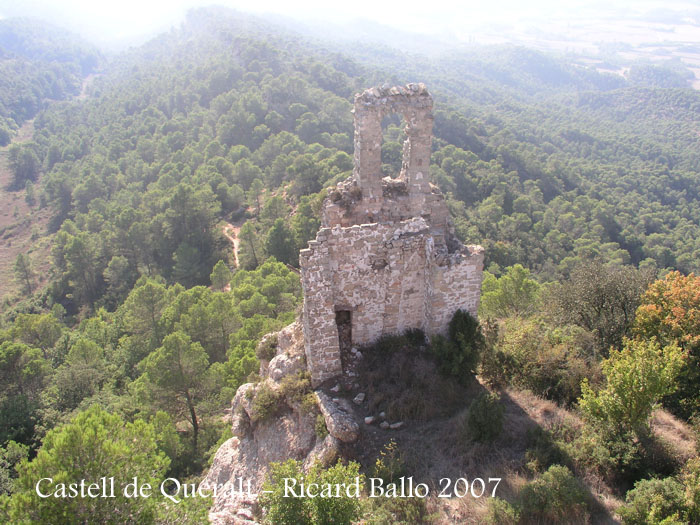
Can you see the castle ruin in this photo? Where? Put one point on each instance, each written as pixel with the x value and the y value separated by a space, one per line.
pixel 386 258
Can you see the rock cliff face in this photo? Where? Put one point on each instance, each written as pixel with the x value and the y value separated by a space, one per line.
pixel 287 432
pixel 385 260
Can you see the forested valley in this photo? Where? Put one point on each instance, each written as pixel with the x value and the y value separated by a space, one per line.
pixel 181 178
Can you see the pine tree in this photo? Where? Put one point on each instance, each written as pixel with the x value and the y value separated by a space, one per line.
pixel 24 274
pixel 280 243
pixel 220 276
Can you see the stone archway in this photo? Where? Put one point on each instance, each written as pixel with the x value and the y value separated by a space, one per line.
pixel 415 105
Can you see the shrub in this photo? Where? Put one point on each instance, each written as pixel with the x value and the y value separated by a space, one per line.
pixel 458 355
pixel 543 450
pixel 653 501
pixel 278 509
pixel 485 418
pixel 281 510
pixel 390 464
pixel 554 497
pixel 691 480
pixel 498 368
pixel 549 361
pixel 266 403
pixel 320 427
pixel 396 511
pixel 295 387
pixel 695 428
pixel 309 404
pixel 669 312
pixel 618 458
pixel 667 501
pixel 464 330
pixel 502 513
pixel 556 370
pixel 189 510
pixel 267 348
pixel 334 510
pixel 387 343
pixel 415 337
pixel 637 377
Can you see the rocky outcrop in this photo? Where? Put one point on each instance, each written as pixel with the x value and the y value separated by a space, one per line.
pixel 284 365
pixel 288 433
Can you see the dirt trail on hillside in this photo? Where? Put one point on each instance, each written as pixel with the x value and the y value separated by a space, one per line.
pixel 231 232
pixel 87 81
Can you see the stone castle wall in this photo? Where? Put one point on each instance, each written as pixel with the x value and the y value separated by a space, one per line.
pixel 386 251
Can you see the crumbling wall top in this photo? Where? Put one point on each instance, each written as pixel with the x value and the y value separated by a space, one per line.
pixel 415 104
pixel 395 99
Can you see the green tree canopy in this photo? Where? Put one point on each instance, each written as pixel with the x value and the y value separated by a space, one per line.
pixel 638 376
pixel 220 276
pixel 94 445
pixel 24 274
pixel 24 164
pixel 601 298
pixel 176 371
pixel 280 243
pixel 513 294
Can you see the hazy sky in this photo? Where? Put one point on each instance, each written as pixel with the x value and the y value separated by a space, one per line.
pixel 110 21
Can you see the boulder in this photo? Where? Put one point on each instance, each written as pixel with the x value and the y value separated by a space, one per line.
pixel 340 422
pixel 283 365
pixel 243 400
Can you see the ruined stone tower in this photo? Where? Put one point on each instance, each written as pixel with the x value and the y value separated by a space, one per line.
pixel 386 258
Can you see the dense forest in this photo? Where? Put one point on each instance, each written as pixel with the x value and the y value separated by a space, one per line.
pixel 582 188
pixel 38 63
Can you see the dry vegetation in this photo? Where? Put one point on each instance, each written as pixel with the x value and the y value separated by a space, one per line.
pixel 433 444
pixel 674 432
pixel 23 229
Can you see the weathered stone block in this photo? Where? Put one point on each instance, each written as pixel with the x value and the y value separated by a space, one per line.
pixel 340 422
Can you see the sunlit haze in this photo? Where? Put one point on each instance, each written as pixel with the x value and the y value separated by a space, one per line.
pixel 126 22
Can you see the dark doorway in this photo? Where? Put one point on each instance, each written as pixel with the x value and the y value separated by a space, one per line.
pixel 343 319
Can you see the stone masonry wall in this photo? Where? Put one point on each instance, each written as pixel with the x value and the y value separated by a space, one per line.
pixel 386 251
